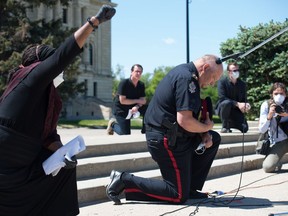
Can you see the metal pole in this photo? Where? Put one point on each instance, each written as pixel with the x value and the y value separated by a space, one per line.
pixel 242 54
pixel 264 42
pixel 187 30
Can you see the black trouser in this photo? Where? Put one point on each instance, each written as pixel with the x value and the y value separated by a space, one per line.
pixel 231 116
pixel 182 169
pixel 123 125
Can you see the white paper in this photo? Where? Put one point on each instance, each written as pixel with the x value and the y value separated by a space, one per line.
pixel 55 162
pixel 131 115
pixel 58 80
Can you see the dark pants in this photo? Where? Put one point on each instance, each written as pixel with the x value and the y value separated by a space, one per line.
pixel 231 116
pixel 182 169
pixel 123 125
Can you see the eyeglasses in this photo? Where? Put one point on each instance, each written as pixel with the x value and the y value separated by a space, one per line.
pixel 234 70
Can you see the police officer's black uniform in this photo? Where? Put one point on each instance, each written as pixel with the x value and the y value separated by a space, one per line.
pixel 182 169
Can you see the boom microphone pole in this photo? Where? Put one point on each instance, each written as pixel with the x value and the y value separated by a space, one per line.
pixel 241 55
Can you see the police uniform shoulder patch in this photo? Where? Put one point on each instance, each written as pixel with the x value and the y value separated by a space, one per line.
pixel 192 87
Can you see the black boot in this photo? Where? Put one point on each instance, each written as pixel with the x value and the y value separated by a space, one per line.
pixel 115 187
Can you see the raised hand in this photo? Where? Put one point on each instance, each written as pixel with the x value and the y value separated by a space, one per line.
pixel 105 13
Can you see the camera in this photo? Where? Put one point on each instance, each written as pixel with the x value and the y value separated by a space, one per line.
pixel 283 108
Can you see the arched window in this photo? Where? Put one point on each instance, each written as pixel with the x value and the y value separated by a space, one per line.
pixel 90 54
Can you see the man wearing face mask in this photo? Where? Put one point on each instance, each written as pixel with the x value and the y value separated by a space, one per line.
pixel 232 103
pixel 274 119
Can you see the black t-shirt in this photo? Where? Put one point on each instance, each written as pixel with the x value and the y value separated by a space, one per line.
pixel 178 91
pixel 127 88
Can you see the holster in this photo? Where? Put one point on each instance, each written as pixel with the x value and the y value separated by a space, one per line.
pixel 171 133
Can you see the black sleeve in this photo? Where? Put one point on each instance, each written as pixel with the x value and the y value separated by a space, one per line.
pixel 46 71
pixel 243 93
pixel 121 88
pixel 143 94
pixel 187 95
pixel 222 90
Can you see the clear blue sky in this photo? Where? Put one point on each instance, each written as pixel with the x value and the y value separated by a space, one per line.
pixel 153 32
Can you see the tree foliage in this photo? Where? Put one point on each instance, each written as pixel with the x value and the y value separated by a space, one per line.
pixel 154 80
pixel 264 66
pixel 17 31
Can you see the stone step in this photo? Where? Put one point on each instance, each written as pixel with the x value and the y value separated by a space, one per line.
pixel 102 165
pixel 129 152
pixel 111 145
pixel 94 190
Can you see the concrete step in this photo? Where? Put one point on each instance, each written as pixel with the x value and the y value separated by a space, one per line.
pixel 108 145
pixel 94 189
pixel 129 153
pixel 102 165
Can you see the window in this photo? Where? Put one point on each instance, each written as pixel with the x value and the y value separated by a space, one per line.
pixel 90 54
pixel 86 87
pixel 95 89
pixel 64 18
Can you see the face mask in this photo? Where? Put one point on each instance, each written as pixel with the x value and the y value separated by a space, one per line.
pixel 235 74
pixel 58 80
pixel 279 99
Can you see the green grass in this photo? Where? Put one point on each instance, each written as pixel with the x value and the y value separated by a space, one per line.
pixel 101 123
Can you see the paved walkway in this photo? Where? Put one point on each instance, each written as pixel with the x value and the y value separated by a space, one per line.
pixel 260 194
pixel 101 134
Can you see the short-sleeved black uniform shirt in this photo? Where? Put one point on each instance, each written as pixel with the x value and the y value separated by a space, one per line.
pixel 127 88
pixel 178 91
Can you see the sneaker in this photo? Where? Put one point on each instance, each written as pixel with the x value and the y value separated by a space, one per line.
pixel 109 127
pixel 225 130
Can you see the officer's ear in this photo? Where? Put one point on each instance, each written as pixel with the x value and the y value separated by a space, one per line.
pixel 206 68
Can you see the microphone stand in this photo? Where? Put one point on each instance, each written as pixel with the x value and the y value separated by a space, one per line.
pixel 241 55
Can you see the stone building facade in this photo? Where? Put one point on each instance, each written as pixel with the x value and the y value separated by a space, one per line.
pixel 95 68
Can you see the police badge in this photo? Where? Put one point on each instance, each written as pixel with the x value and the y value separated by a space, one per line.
pixel 192 87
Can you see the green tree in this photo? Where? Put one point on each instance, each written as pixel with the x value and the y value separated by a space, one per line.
pixel 118 75
pixel 210 91
pixel 17 32
pixel 157 76
pixel 266 65
pixel 145 78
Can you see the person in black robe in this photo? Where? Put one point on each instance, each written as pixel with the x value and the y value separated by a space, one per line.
pixel 29 111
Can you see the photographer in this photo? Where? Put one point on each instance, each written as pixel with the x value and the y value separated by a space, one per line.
pixel 273 116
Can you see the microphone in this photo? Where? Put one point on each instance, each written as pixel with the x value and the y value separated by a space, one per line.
pixel 234 56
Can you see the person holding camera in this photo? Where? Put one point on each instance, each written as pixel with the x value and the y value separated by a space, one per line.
pixel 273 118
